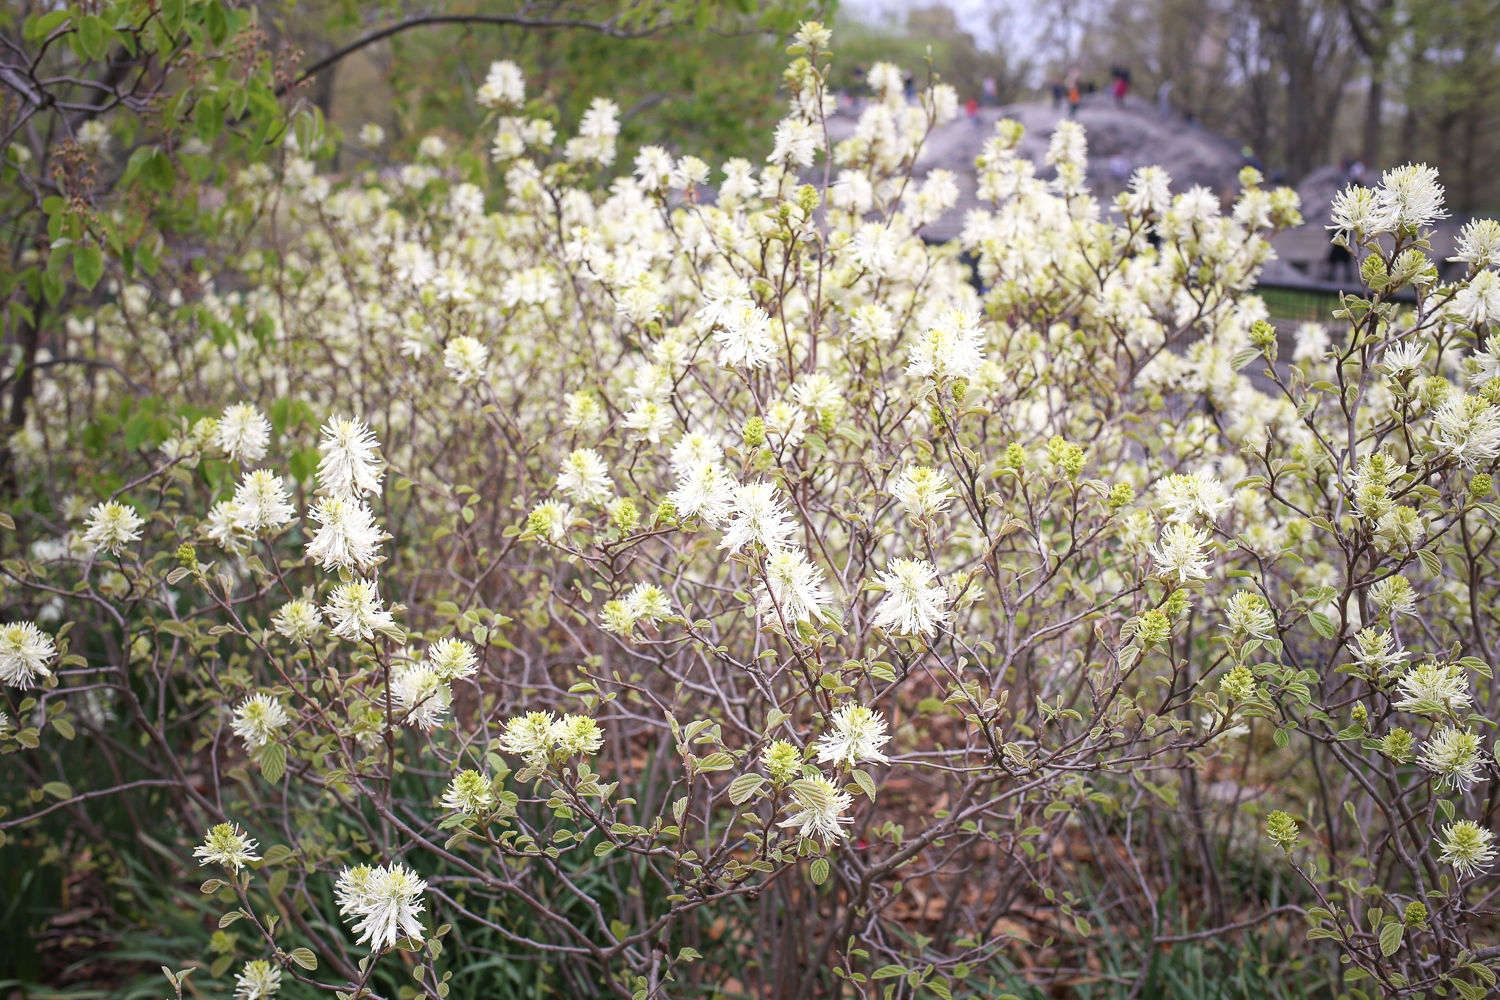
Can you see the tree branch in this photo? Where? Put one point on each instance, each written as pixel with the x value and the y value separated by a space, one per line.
pixel 509 20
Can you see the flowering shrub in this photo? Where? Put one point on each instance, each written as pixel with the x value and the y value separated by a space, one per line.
pixel 635 574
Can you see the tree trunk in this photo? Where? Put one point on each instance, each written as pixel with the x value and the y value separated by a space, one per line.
pixel 1374 100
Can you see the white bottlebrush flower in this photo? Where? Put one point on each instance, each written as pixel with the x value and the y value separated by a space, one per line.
pixel 796 143
pixel 693 450
pixel 817 809
pixel 1310 342
pixel 757 518
pixel 876 248
pixel 26 653
pixel 1377 652
pixel 1479 244
pixel 258 720
pixel 347 534
pixel 922 491
pixel 648 420
pixel 1454 756
pixel 584 411
pixel 1411 196
pixel 1468 847
pixel 469 793
pixel 356 612
pixel 744 337
pixel 348 467
pixel 530 736
pixel 913 604
pixel 262 503
pixel 387 900
pixel 244 433
pixel 857 736
pixel 111 526
pixel 1430 689
pixel 1249 616
pixel 1394 595
pixel 225 527
pixel 1359 212
pixel 706 492
pixel 578 734
pixel 1469 427
pixel 1184 499
pixel 422 695
pixel 226 845
pixel 504 84
pixel 584 477
pixel 653 167
pixel 795 592
pixel 1180 553
pixel 465 358
pixel 549 520
pixel 298 620
pixel 952 349
pixel 1404 361
pixel 259 981
pixel 452 659
pixel 648 602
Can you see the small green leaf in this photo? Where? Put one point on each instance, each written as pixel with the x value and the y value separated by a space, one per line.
pixel 743 788
pixel 1322 624
pixel 88 266
pixel 820 871
pixel 273 762
pixel 58 790
pixel 305 958
pixel 1390 937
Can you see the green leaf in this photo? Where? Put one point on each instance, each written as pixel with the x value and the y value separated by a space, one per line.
pixel 865 782
pixel 716 762
pixel 888 972
pixel 1431 564
pixel 216 23
pixel 171 15
pixel 93 35
pixel 305 958
pixel 1281 738
pixel 819 871
pixel 64 728
pixel 230 918
pixel 1390 937
pixel 58 790
pixel 1322 624
pixel 743 788
pixel 88 266
pixel 273 762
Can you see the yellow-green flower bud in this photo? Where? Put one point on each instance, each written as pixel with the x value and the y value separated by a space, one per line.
pixel 1397 745
pixel 755 432
pixel 1282 830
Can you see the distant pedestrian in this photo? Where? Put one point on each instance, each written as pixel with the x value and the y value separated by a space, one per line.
pixel 1073 95
pixel 1119 167
pixel 991 91
pixel 1164 98
pixel 1058 92
pixel 971 108
pixel 1339 259
pixel 1121 85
